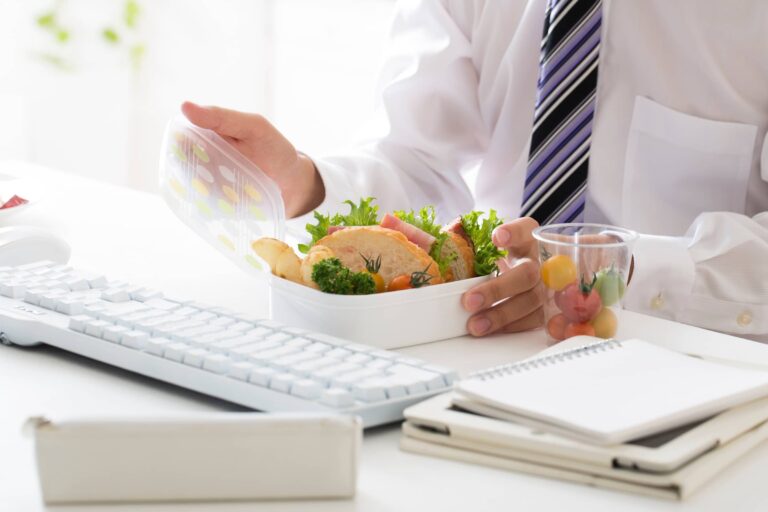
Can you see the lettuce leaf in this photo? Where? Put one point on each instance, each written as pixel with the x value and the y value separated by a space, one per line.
pixel 425 219
pixel 363 214
pixel 479 231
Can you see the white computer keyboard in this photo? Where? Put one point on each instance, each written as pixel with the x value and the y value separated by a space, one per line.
pixel 260 364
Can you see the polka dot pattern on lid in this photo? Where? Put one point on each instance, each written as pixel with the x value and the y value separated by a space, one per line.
pixel 226 207
pixel 227 173
pixel 204 173
pixel 200 153
pixel 227 242
pixel 252 192
pixel 253 261
pixel 200 187
pixel 230 193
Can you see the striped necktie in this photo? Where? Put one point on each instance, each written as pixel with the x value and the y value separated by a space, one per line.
pixel 556 179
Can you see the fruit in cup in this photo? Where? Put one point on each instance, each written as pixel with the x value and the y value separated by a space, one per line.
pixel 609 283
pixel 579 302
pixel 558 271
pixel 556 327
pixel 575 329
pixel 605 324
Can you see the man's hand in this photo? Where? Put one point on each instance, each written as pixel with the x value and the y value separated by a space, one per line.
pixel 260 142
pixel 512 301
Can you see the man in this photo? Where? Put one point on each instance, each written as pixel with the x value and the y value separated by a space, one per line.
pixel 648 114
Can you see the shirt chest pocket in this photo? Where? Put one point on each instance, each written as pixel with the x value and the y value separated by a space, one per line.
pixel 678 166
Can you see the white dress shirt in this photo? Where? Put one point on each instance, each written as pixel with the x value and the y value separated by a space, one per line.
pixel 678 148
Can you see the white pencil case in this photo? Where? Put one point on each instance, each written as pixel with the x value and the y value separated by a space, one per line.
pixel 198 457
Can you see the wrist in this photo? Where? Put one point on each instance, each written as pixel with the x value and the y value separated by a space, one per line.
pixel 309 188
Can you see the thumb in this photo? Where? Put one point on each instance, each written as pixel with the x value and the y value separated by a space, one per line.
pixel 225 122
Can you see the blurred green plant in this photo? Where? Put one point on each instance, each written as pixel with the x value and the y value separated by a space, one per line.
pixel 112 35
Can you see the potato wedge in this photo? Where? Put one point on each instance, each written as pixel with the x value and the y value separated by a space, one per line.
pixel 316 254
pixel 270 250
pixel 288 266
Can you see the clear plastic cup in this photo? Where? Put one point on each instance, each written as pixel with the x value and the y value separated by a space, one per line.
pixel 584 269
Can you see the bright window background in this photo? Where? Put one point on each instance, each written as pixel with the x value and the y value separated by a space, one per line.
pixel 309 65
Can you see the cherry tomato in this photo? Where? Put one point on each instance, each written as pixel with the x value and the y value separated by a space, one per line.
pixel 577 304
pixel 605 324
pixel 402 282
pixel 576 329
pixel 610 285
pixel 556 326
pixel 378 281
pixel 558 272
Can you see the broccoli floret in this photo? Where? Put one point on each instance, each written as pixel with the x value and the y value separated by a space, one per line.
pixel 333 277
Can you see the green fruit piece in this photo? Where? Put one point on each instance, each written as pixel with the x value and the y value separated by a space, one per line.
pixel 610 285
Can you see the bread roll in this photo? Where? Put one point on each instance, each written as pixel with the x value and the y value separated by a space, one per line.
pixel 398 255
pixel 463 266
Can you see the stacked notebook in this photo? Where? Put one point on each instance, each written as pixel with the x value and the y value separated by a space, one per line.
pixel 627 415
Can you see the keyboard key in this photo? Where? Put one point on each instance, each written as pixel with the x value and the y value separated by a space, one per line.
pixel 325 375
pixel 240 326
pixel 326 338
pixel 222 321
pixel 69 306
pixel 156 346
pixel 49 299
pixel 411 361
pixel 336 397
pixel 289 361
pixel 359 358
pixel 176 351
pixel 113 333
pixel 379 364
pixel 431 380
pixel 203 316
pixel 346 380
pixel 163 304
pixel 308 367
pixel 450 376
pixel 76 283
pixel 338 353
pixel 370 390
pixel 13 289
pixel 298 342
pixel 32 296
pixel 94 280
pixel 195 357
pixel 318 348
pixel 217 363
pixel 279 337
pixel 35 265
pixel 78 322
pixel 266 357
pixel 134 339
pixel 307 388
pixel 95 327
pixel 241 370
pixel 115 295
pixel 146 294
pixel 249 349
pixel 283 382
pixel 261 376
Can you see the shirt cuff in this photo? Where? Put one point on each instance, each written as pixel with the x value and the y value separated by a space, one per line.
pixel 663 277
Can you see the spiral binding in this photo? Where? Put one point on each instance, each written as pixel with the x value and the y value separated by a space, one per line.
pixel 541 362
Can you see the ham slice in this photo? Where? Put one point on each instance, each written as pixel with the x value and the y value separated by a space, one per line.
pixel 333 229
pixel 455 226
pixel 412 233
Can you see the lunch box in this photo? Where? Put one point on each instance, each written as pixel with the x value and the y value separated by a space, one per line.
pixel 230 202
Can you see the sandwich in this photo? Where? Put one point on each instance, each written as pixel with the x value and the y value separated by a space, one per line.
pixel 362 253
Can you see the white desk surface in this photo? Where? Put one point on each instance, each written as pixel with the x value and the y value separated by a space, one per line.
pixel 131 235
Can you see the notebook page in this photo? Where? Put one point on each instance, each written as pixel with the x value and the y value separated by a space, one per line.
pixel 620 392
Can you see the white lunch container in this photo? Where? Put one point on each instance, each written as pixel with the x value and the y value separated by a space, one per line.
pixel 230 202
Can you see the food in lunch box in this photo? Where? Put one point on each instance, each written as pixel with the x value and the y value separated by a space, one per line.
pixel 361 253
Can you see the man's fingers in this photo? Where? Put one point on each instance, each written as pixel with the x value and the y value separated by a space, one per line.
pixel 512 313
pixel 225 122
pixel 515 236
pixel 521 277
pixel 532 321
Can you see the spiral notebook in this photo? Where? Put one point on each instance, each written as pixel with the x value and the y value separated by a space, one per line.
pixel 609 392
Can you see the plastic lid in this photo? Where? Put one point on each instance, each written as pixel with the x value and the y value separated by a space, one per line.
pixel 219 193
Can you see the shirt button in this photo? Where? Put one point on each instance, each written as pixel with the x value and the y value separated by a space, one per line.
pixel 657 302
pixel 744 319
